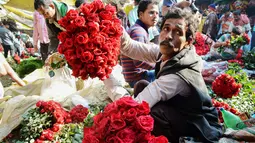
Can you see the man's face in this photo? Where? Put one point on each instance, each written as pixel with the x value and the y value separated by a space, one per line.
pixel 172 37
pixel 49 12
pixel 150 16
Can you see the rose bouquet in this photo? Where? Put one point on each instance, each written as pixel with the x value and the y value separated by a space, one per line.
pixel 92 39
pixel 124 120
pixel 201 45
pixel 225 86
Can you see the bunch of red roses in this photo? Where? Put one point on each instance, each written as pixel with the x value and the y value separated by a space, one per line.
pixel 202 48
pixel 224 105
pixel 91 41
pixel 123 121
pixel 79 113
pixel 225 86
pixel 60 117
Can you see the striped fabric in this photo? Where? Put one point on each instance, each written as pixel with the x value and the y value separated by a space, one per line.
pixel 133 70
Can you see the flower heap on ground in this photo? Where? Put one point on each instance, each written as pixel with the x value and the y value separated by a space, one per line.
pixel 202 48
pixel 224 105
pixel 124 120
pixel 91 41
pixel 225 86
pixel 60 117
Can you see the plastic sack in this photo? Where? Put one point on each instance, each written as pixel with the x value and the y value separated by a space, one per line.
pixel 213 69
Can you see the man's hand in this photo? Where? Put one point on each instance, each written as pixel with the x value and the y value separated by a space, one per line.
pixel 36 48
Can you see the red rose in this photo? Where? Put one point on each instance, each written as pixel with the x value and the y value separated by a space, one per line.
pixel 39 104
pixel 68 43
pixel 93 17
pixel 111 9
pixel 87 57
pixel 84 75
pixel 145 122
pixel 130 114
pixel 63 22
pixel 98 4
pixel 79 21
pixel 72 14
pixel 127 135
pixel 70 54
pixel 89 46
pixel 56 127
pixel 91 68
pixel 97 52
pixel 99 61
pixel 160 139
pixel 88 138
pixel 82 38
pixel 143 137
pixel 105 24
pixel 127 102
pixel 108 70
pixel 111 108
pixel 61 48
pixel 143 108
pixel 114 139
pixel 111 62
pixel 117 122
pixel 87 9
pixel 99 39
pixel 97 119
pixel 93 27
pixel 62 36
pixel 71 28
pixel 102 128
pixel 101 74
pixel 79 50
pixel 106 15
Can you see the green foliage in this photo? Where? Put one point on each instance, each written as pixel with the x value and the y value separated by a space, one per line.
pixel 70 133
pixel 93 110
pixel 12 63
pixel 27 66
pixel 249 61
pixel 34 123
pixel 245 101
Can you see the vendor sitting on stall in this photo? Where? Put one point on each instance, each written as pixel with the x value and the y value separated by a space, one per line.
pixel 223 42
pixel 179 100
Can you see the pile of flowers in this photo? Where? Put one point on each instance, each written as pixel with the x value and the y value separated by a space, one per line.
pixel 91 39
pixel 202 47
pixel 50 122
pixel 123 121
pixel 224 105
pixel 225 86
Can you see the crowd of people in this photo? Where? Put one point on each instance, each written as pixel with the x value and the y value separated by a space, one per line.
pixel 157 56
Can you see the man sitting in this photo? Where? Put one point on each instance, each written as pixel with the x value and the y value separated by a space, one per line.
pixel 179 100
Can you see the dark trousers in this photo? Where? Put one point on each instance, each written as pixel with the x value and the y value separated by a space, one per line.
pixel 167 120
pixel 8 48
pixel 44 51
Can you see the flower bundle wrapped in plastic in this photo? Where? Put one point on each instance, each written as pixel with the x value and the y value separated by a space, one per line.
pixel 92 39
pixel 124 120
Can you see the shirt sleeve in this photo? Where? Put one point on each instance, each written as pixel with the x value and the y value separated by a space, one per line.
pixel 163 89
pixel 35 30
pixel 137 50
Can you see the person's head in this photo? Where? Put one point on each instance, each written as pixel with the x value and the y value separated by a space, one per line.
pixel 236 31
pixel 177 31
pixel 29 44
pixel 237 15
pixel 78 3
pixel 136 2
pixel 148 12
pixel 6 24
pixel 45 8
pixel 212 7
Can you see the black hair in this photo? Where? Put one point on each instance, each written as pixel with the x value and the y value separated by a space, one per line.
pixel 29 44
pixel 190 20
pixel 237 12
pixel 143 5
pixel 137 1
pixel 78 3
pixel 44 3
pixel 237 30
